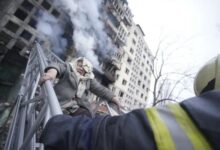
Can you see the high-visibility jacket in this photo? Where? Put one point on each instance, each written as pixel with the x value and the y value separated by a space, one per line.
pixel 193 124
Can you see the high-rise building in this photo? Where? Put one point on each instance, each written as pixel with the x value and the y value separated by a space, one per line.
pixel 18 31
pixel 134 76
pixel 126 72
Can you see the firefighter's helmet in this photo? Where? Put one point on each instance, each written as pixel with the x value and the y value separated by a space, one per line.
pixel 208 77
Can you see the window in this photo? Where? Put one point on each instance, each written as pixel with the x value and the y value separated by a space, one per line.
pixel 142 95
pixel 27 5
pixel 5 38
pixel 117 76
pixel 146 69
pixel 145 98
pixel 46 5
pixel 143 86
pixel 131 51
pixel 141 73
pixel 134 42
pixel 21 14
pixel 139 82
pixel 135 33
pixel 124 82
pixel 121 94
pixel 33 23
pixel 127 71
pixel 147 89
pixel 26 35
pixel 129 60
pixel 151 67
pixel 145 49
pixel 55 13
pixel 13 27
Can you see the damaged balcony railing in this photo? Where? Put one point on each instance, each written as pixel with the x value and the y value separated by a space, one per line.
pixel 32 109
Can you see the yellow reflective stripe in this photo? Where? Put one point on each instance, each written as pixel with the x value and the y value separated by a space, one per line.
pixel 161 133
pixel 196 138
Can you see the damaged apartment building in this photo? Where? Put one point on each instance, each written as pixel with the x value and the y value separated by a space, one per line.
pixel 133 76
pixel 126 72
pixel 18 21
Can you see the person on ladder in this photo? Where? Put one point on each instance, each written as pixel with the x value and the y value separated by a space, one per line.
pixel 76 80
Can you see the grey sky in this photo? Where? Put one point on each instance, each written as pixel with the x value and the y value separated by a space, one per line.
pixel 199 19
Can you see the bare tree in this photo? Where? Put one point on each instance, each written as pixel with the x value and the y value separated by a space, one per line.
pixel 168 85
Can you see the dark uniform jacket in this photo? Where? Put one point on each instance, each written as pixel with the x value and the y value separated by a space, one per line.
pixel 139 129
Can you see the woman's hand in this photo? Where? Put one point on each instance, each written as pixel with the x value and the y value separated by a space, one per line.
pixel 49 75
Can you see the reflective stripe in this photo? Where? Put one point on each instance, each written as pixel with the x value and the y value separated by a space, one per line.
pixel 173 129
pixel 178 135
pixel 197 139
pixel 160 131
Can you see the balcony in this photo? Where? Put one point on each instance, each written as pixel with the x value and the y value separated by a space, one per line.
pixel 115 62
pixel 120 41
pixel 110 67
pixel 128 16
pixel 117 8
pixel 114 20
pixel 127 20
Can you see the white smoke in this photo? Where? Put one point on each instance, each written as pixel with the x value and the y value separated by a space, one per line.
pixel 88 29
pixel 51 30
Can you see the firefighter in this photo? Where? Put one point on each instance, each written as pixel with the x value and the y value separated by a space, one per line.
pixel 190 125
pixel 76 81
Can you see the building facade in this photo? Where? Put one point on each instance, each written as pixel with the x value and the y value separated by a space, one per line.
pixel 134 75
pixel 126 73
pixel 18 31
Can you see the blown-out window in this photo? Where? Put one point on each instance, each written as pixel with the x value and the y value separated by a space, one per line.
pixel 26 35
pixel 11 26
pixel 21 14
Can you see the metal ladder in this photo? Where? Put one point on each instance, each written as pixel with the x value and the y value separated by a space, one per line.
pixel 34 104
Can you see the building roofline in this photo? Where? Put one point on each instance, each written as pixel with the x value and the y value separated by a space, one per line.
pixel 140 29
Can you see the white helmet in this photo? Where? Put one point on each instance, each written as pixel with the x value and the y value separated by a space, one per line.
pixel 208 77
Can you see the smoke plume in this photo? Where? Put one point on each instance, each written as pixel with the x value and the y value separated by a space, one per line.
pixel 51 30
pixel 89 36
